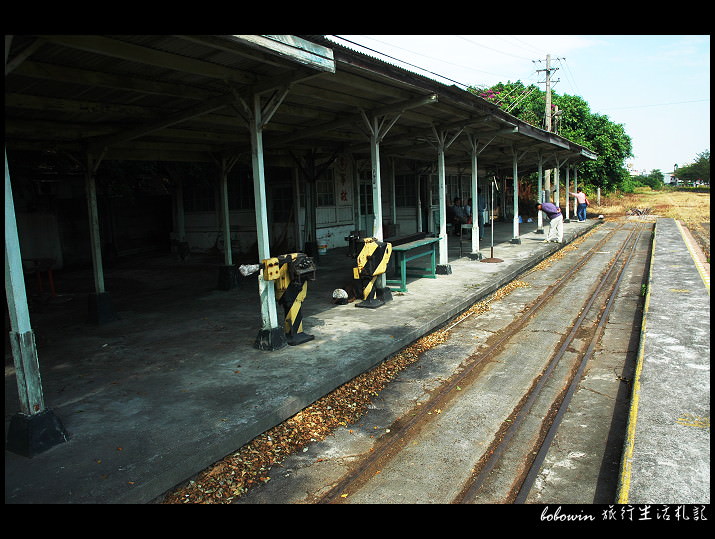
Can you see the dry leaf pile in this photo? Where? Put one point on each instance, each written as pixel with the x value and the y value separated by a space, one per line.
pixel 233 476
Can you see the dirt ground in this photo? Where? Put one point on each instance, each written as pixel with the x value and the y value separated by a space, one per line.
pixel 692 209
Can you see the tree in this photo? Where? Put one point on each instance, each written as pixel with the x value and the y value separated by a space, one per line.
pixel 699 170
pixel 654 180
pixel 574 122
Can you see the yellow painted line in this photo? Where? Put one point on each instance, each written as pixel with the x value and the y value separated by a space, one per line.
pixel 704 275
pixel 690 420
pixel 624 480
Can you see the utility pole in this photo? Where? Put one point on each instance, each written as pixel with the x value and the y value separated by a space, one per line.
pixel 547 118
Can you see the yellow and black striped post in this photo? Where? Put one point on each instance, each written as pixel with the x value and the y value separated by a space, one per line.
pixel 292 301
pixel 372 262
pixel 291 273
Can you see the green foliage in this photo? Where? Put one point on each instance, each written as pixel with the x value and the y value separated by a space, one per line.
pixel 574 121
pixel 654 180
pixel 699 170
pixel 628 185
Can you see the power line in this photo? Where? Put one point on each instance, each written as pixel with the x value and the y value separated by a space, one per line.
pixel 659 104
pixel 569 74
pixel 413 65
pixel 527 44
pixel 491 48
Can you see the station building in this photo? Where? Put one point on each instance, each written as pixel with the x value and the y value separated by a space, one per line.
pixel 248 145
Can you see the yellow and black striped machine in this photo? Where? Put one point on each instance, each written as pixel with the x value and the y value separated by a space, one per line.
pixel 291 273
pixel 371 257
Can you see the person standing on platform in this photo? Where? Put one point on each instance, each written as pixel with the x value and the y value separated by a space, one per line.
pixel 556 221
pixel 583 203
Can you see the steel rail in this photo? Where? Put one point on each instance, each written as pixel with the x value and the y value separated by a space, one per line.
pixel 534 469
pixel 475 483
pixel 390 447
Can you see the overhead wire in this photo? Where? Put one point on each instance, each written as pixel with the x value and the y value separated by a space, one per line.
pixel 492 48
pixel 413 65
pixel 499 102
pixel 569 74
pixel 659 104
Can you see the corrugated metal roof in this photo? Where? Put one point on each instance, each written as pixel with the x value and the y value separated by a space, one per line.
pixel 73 92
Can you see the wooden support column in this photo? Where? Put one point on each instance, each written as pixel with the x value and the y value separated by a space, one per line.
pixel 557 180
pixel 271 336
pixel 557 184
pixel 443 262
pixel 180 213
pixel 377 126
pixel 418 203
pixel 182 246
pixel 575 186
pixel 35 428
pixel 228 276
pixel 357 212
pixel 393 200
pixel 568 212
pixel 515 202
pixel 296 209
pixel 475 151
pixel 541 198
pixel 442 144
pixel 101 309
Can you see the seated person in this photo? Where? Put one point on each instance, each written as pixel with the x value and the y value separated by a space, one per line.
pixel 458 216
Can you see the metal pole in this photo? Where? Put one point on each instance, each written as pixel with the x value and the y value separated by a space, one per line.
pixel 491 259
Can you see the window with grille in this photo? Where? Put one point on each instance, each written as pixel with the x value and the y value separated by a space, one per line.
pixel 325 189
pixel 406 191
pixel 366 193
pixel 199 195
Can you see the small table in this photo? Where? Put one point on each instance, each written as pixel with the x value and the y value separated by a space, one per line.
pixel 410 251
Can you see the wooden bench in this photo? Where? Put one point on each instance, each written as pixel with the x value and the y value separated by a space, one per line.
pixel 406 252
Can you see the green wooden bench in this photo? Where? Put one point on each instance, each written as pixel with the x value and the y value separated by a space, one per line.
pixel 406 252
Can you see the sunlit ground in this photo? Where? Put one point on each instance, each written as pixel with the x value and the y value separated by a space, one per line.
pixel 692 209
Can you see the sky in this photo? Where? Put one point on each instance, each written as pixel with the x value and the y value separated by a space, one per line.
pixel 656 86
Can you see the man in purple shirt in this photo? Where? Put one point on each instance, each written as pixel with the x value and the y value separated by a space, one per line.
pixel 556 221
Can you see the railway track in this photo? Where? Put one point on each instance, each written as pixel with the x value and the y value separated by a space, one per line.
pixel 506 435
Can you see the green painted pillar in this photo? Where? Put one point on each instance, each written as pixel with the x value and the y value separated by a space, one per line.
pixel 35 428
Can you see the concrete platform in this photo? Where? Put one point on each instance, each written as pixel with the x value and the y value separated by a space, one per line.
pixel 176 384
pixel 667 452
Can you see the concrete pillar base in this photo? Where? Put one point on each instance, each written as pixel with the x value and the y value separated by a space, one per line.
pixel 516 240
pixel 271 339
pixel 101 310
pixel 443 269
pixel 31 435
pixel 227 277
